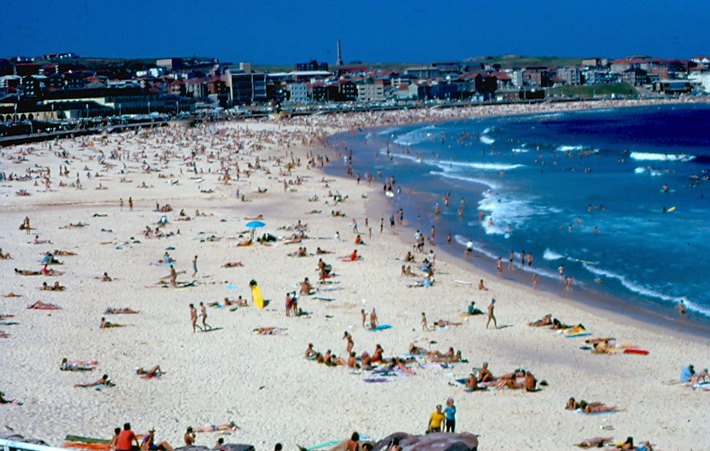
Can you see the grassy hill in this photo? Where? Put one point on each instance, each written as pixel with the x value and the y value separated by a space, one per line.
pixel 511 61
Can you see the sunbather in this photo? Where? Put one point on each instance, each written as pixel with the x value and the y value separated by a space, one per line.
pixel 231 426
pixel 77 365
pixel 150 373
pixel 103 381
pixel 545 321
pixel 120 311
pixel 596 442
pixel 39 305
pixel 105 324
pixel 4 400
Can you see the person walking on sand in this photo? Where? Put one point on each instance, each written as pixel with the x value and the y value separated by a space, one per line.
pixel 364 317
pixel 425 324
pixel 491 315
pixel 130 203
pixel 194 266
pixel 203 312
pixel 193 318
pixel 499 267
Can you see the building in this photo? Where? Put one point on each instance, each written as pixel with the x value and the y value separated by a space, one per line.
pixel 170 63
pixel 422 72
pixel 347 90
pixel 248 88
pixel 371 91
pixel 537 75
pixel 298 92
pixel 312 65
pixel 635 77
pixel 673 87
pixel 571 75
pixel 705 82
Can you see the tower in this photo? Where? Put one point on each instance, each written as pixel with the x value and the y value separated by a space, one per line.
pixel 339 59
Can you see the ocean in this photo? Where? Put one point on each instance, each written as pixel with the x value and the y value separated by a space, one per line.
pixel 618 197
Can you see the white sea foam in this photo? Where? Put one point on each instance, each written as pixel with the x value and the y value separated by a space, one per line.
pixel 416 136
pixel 487 139
pixel 521 150
pixel 642 290
pixel 506 211
pixel 474 165
pixel 455 176
pixel 476 246
pixel 570 148
pixel 643 156
pixel 648 171
pixel 549 254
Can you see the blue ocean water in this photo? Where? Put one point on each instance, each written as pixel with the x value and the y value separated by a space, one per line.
pixel 619 197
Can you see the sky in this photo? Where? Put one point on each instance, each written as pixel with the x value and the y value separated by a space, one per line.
pixel 284 32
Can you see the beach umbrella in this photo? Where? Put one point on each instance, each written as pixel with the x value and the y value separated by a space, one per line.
pixel 253 225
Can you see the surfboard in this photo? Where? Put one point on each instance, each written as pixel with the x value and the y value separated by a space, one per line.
pixel 635 351
pixel 581 334
pixel 256 297
pixel 670 210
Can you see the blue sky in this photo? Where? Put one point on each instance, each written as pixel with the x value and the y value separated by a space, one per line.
pixel 285 32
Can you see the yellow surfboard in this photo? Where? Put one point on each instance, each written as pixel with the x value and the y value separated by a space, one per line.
pixel 256 297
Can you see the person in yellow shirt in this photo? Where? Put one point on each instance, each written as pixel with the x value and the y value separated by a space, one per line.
pixel 435 420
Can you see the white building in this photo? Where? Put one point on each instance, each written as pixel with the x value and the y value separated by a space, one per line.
pixel 371 92
pixel 705 82
pixel 299 92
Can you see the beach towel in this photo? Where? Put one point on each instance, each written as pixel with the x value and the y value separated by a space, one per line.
pixel 583 334
pixel 320 298
pixel 380 327
pixel 375 380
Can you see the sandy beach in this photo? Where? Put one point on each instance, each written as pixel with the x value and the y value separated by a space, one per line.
pixel 263 382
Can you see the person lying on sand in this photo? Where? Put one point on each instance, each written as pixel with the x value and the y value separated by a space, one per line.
pixel 11 295
pixel 423 283
pixel 120 311
pixel 591 407
pixel 4 334
pixel 558 325
pixel 5 256
pixel 269 330
pixel 301 252
pixel 511 381
pixel 28 272
pixel 39 305
pixel 155 371
pixel 254 218
pixel 445 323
pixel 106 278
pixel 233 265
pixel 447 357
pixel 55 287
pixel 320 251
pixel 50 272
pixel 596 442
pixel 4 400
pixel 62 252
pixel 545 321
pixel 244 242
pixel 38 241
pixel 105 324
pixel 103 381
pixel 77 365
pixel 231 426
pixel 78 225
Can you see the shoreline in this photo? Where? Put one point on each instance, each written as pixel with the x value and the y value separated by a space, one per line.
pixel 620 308
pixel 263 382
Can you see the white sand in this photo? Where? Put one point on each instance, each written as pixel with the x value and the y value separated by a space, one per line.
pixel 263 383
